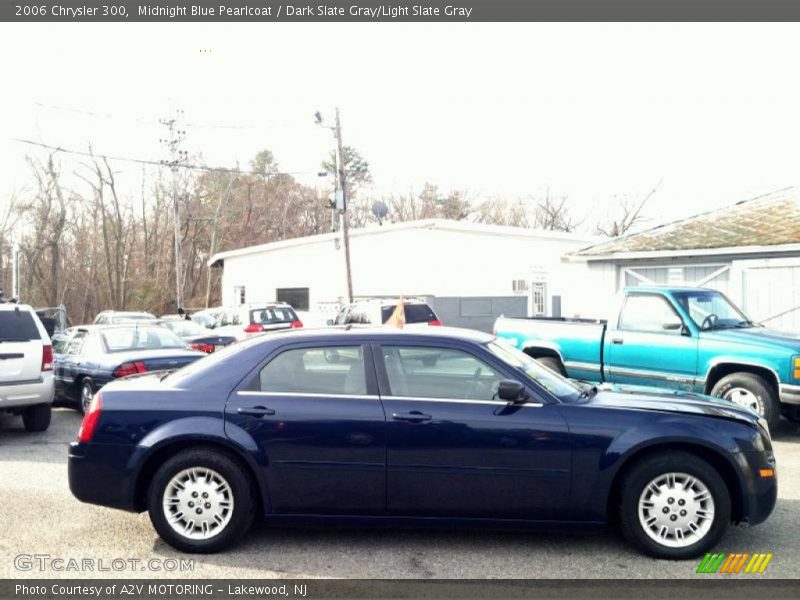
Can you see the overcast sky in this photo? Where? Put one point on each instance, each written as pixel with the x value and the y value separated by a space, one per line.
pixel 590 111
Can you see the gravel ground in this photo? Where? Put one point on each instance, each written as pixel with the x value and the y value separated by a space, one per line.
pixel 42 517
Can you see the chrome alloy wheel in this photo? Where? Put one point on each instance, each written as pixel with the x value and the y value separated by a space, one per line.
pixel 86 397
pixel 198 503
pixel 676 510
pixel 746 398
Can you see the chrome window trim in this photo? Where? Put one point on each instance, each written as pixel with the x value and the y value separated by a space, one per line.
pixel 462 401
pixel 308 395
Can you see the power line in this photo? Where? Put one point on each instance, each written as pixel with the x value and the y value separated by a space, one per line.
pixel 157 163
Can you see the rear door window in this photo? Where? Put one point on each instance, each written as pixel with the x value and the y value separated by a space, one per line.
pixel 415 313
pixel 329 370
pixel 18 326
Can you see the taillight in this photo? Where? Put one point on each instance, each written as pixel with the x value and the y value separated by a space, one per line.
pixel 254 328
pixel 47 358
pixel 435 323
pixel 130 368
pixel 207 348
pixel 296 324
pixel 90 419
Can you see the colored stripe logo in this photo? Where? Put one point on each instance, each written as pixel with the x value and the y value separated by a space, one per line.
pixel 734 563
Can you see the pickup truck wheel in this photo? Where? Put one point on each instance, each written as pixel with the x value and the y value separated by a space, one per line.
pixel 200 500
pixel 553 364
pixel 37 417
pixel 752 391
pixel 674 505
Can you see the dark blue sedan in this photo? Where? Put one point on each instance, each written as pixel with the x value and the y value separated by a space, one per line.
pixel 89 356
pixel 391 427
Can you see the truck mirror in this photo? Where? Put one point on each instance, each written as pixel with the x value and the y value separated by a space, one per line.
pixel 672 326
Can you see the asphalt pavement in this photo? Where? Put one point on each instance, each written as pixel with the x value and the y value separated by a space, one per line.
pixel 42 519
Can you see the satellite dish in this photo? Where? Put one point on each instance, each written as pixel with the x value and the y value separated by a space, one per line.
pixel 380 210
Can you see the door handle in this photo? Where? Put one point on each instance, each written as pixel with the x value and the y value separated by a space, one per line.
pixel 617 341
pixel 255 411
pixel 412 417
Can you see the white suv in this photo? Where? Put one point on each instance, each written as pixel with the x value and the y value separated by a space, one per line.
pixel 248 319
pixel 26 366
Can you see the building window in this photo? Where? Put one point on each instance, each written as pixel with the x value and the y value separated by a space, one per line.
pixel 519 286
pixel 539 298
pixel 239 294
pixel 297 298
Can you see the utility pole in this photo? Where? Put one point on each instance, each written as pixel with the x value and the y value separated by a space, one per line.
pixel 176 157
pixel 15 270
pixel 341 189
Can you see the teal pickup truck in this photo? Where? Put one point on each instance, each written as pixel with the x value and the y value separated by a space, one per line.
pixel 688 339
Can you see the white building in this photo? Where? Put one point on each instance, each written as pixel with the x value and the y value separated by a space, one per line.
pixel 750 251
pixel 471 272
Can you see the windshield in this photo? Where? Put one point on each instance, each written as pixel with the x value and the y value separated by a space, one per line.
pixel 711 310
pixel 186 328
pixel 557 385
pixel 122 339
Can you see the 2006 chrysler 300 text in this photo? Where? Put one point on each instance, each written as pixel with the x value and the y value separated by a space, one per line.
pixel 389 427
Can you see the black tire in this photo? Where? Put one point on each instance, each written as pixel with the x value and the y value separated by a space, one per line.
pixel 37 417
pixel 86 386
pixel 241 488
pixel 554 364
pixel 769 403
pixel 645 471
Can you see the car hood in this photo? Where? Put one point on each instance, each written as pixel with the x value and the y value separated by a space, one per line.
pixel 674 402
pixel 759 336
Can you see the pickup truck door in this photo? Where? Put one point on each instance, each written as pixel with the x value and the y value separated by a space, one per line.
pixel 650 345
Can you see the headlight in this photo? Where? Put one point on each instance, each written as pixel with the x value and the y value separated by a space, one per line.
pixel 796 367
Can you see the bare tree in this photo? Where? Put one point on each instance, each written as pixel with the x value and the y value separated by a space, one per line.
pixel 629 215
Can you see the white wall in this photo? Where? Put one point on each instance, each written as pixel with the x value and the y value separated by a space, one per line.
pixel 435 261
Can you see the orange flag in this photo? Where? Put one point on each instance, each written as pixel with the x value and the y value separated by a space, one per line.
pixel 398 317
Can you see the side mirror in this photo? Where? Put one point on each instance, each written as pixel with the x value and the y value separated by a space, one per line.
pixel 672 326
pixel 511 391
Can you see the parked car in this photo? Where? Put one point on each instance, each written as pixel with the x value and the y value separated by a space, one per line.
pixel 118 317
pixel 376 311
pixel 249 319
pixel 89 356
pixel 416 426
pixel 676 338
pixel 196 336
pixel 26 366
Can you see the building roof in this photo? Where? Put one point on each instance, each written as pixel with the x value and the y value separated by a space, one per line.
pixel 440 224
pixel 767 223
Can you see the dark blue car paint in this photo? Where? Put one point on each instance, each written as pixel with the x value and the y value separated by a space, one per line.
pixel 346 458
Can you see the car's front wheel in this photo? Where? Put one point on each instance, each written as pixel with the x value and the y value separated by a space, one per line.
pixel 674 505
pixel 201 500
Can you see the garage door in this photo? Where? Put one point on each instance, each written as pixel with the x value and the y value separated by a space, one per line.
pixel 772 296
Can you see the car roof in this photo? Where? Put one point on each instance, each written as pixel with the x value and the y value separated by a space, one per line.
pixel 381 332
pixel 14 305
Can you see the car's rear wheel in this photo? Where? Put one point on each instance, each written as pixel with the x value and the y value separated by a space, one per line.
pixel 752 391
pixel 674 505
pixel 37 417
pixel 553 363
pixel 87 395
pixel 201 500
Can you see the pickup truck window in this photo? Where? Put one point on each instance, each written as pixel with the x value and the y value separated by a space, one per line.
pixel 555 384
pixel 649 313
pixel 711 310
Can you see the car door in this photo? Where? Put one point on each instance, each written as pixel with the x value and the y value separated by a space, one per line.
pixel 314 412
pixel 453 450
pixel 650 345
pixel 70 365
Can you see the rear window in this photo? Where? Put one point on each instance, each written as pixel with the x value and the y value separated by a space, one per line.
pixel 275 314
pixel 415 313
pixel 140 338
pixel 17 326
